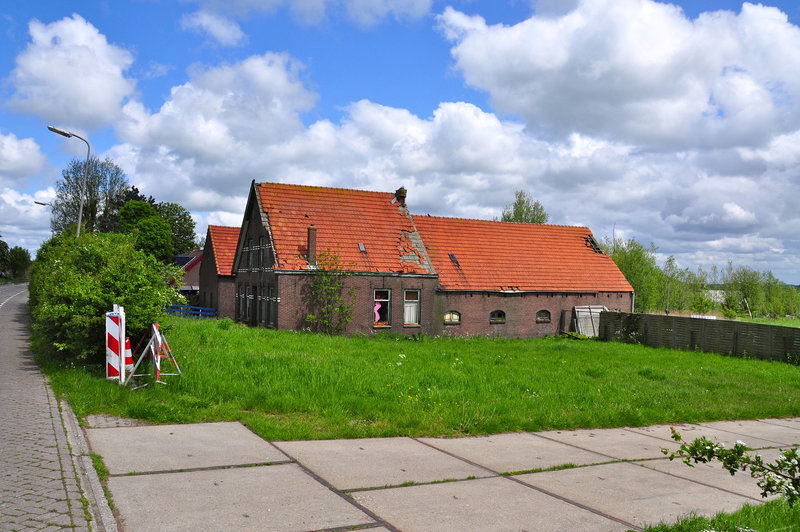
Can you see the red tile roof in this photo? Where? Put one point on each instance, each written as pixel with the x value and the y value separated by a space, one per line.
pixel 516 256
pixel 343 219
pixel 223 242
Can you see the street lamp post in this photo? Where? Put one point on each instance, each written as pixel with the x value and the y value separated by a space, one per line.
pixel 69 134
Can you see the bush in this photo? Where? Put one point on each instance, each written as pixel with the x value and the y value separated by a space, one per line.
pixel 74 282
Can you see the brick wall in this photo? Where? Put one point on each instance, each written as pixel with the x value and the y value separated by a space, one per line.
pixel 293 292
pixel 520 311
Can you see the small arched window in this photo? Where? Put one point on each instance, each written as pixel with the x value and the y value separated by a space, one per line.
pixel 497 316
pixel 451 317
pixel 543 316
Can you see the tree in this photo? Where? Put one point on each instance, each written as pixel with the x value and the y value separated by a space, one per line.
pixel 74 282
pixel 525 210
pixel 105 183
pixel 19 259
pixel 638 264
pixel 153 236
pixel 152 233
pixel 330 310
pixel 3 257
pixel 109 221
pixel 181 224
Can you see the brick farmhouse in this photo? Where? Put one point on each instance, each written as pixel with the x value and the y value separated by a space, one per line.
pixel 410 274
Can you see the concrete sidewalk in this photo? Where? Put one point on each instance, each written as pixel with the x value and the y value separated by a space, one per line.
pixel 221 476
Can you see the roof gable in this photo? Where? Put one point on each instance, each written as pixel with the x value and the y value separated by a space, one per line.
pixel 222 241
pixel 368 231
pixel 507 256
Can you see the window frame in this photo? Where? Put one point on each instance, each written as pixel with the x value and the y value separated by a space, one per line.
pixel 388 306
pixel 449 318
pixel 543 316
pixel 416 304
pixel 497 317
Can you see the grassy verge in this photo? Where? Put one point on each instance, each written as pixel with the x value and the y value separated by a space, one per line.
pixel 287 385
pixel 783 322
pixel 772 516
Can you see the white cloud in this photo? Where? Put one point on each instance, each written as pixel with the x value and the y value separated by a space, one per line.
pixel 222 29
pixel 69 74
pixel 372 12
pixel 222 109
pixel 20 159
pixel 23 222
pixel 364 13
pixel 638 71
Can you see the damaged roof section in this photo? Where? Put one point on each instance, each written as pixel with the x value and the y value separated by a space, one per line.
pixel 368 231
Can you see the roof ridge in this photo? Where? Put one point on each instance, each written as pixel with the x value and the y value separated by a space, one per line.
pixel 496 221
pixel 319 187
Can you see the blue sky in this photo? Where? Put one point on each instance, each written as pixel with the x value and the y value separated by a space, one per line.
pixel 676 124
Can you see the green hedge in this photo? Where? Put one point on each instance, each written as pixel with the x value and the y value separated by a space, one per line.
pixel 74 282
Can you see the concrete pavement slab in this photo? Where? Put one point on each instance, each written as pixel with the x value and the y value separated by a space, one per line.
pixel 375 462
pixel 713 474
pixel 276 497
pixel 495 504
pixel 777 435
pixel 689 432
pixel 786 422
pixel 508 453
pixel 614 443
pixel 171 447
pixel 635 494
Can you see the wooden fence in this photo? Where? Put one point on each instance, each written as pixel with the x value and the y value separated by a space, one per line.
pixel 767 342
pixel 186 311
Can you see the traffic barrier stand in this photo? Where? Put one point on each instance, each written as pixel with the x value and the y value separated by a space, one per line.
pixel 155 350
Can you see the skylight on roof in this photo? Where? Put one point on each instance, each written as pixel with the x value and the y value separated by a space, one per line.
pixel 361 247
pixel 454 259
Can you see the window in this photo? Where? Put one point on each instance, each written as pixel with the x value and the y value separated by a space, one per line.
pixel 271 306
pixel 262 253
pixel 543 316
pixel 246 300
pixel 382 307
pixel 451 317
pixel 242 301
pixel 249 251
pixel 262 304
pixel 497 316
pixel 411 307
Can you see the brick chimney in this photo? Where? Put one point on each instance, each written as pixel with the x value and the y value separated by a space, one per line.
pixel 400 196
pixel 311 255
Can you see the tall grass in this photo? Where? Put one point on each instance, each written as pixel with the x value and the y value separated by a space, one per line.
pixel 772 516
pixel 289 385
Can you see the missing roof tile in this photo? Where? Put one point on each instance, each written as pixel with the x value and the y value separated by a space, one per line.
pixel 592 243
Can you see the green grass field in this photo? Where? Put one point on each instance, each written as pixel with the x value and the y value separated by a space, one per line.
pixel 288 385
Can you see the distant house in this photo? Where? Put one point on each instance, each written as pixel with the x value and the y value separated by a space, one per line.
pixel 216 279
pixel 413 274
pixel 190 267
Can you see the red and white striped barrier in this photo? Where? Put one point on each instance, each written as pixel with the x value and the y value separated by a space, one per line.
pixel 116 349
